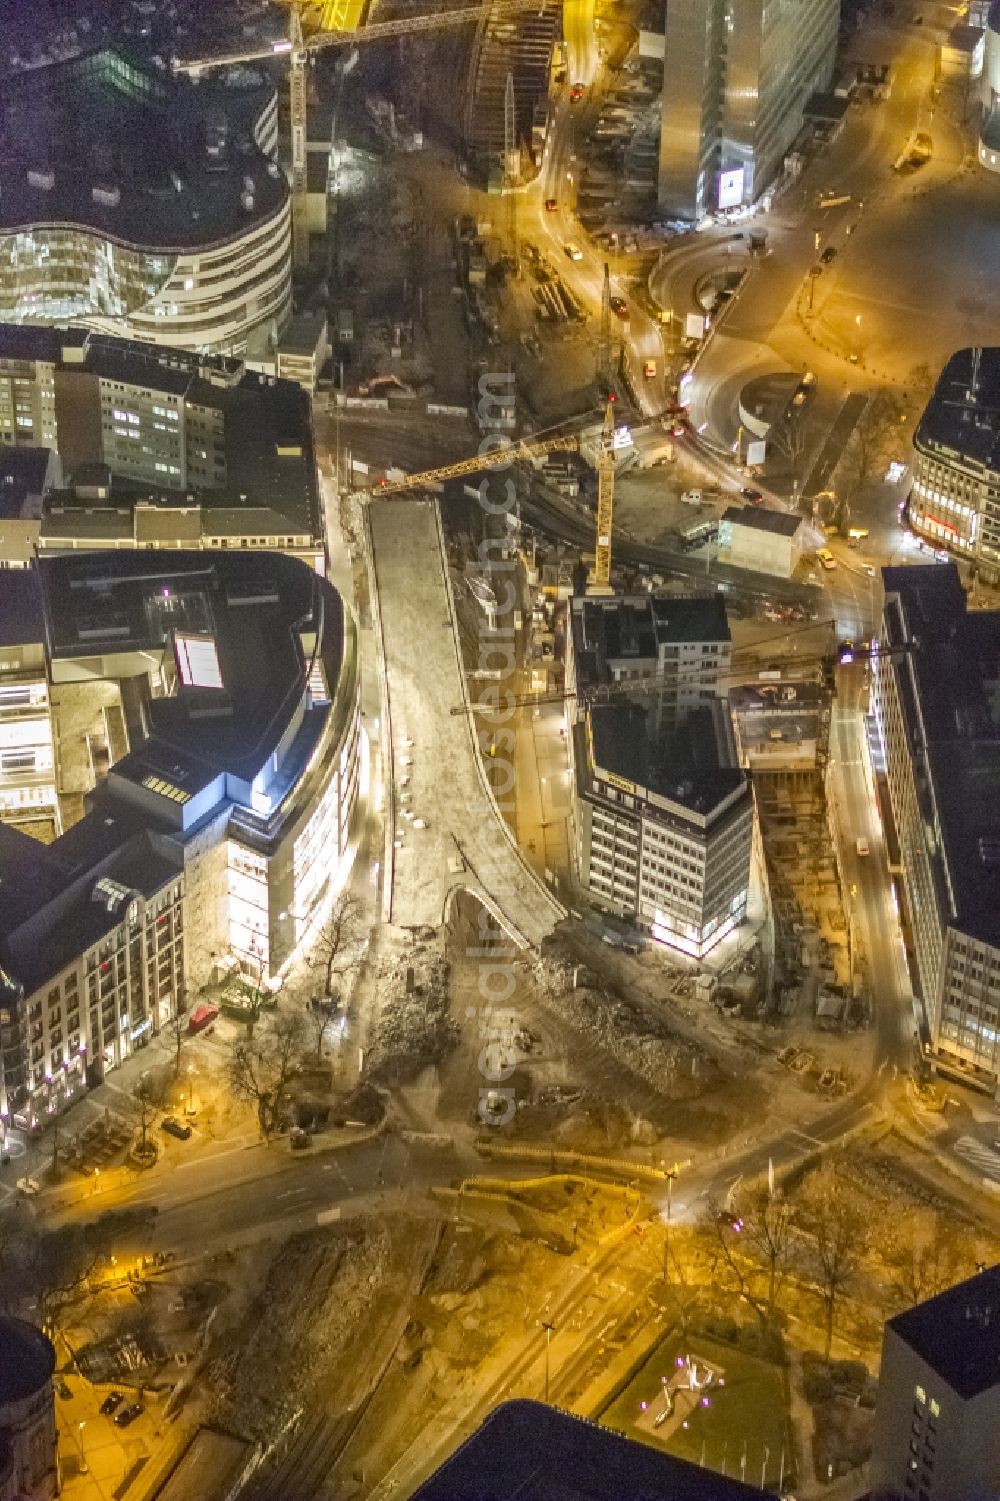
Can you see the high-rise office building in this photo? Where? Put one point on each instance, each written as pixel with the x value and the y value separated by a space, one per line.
pixel 736 77
pixel 936 700
pixel 664 813
pixel 937 1422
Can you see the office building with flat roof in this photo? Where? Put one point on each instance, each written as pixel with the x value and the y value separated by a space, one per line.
pixel 664 814
pixel 143 204
pixel 937 1420
pixel 218 695
pixel 955 494
pixel 936 701
pixel 155 449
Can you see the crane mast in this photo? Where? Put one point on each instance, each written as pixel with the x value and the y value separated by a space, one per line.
pixel 297 85
pixel 601 583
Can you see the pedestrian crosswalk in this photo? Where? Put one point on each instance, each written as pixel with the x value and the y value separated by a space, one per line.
pixel 983 1158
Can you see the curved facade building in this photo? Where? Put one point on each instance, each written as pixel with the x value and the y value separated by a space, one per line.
pixel 143 205
pixel 955 494
pixel 221 831
pixel 29 1464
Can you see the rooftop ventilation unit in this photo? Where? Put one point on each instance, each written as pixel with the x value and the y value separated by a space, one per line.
pixel 107 197
pixel 42 177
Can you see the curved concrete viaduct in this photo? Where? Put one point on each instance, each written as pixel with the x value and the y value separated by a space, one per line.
pixel 433 770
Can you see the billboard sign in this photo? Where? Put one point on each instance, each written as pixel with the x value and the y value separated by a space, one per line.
pixel 731 188
pixel 756 452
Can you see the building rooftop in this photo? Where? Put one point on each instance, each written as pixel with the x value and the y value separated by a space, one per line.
pixel 958 1333
pixel 525 1451
pixel 615 634
pixel 22 479
pixel 112 143
pixel 760 519
pixel 21 622
pixel 690 762
pixel 28 1360
pixel 48 912
pixel 248 611
pixel 963 414
pixel 948 673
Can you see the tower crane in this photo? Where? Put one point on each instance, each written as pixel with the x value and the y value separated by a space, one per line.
pixel 570 443
pixel 825 664
pixel 298 48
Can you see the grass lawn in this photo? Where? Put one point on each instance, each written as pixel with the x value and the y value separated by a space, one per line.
pixel 746 1416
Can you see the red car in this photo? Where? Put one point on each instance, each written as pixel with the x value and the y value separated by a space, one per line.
pixel 551 204
pixel 619 307
pixel 576 93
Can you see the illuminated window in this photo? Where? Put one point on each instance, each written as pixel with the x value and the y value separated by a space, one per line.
pixel 920 1394
pixel 935 1408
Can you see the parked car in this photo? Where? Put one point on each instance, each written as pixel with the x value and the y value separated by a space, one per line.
pixel 576 93
pixel 127 1415
pixel 862 846
pixel 649 369
pixel 111 1401
pixel 176 1128
pixel 573 250
pixel 753 496
pixel 551 204
pixel 829 254
pixel 619 307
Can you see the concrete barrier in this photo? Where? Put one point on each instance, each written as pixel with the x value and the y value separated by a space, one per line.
pixel 435 409
pixel 619 1167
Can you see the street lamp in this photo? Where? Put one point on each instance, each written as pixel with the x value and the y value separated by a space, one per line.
pixel 549 1331
pixel 83 1458
pixel 671 1175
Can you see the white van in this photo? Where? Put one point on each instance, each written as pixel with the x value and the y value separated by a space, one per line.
pixel 692 497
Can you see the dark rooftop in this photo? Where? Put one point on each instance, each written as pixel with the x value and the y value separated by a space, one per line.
pixel 686 762
pixel 251 606
pixel 47 912
pixel 21 622
pixel 168 160
pixel 949 682
pixel 525 1451
pixel 22 477
pixel 958 1333
pixel 628 629
pixel 964 412
pixel 28 1360
pixel 782 523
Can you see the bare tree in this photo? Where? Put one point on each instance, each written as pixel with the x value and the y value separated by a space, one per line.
pixel 145 1099
pixel 836 1230
pixel 754 1239
pixel 177 1030
pixel 249 989
pixel 261 1068
pixel 320 1013
pixel 920 1257
pixel 791 439
pixel 876 434
pixel 341 929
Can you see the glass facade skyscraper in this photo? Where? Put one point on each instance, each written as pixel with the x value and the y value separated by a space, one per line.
pixel 736 77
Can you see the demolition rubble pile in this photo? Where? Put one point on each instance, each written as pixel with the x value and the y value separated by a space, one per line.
pixel 635 1036
pixel 414 1027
